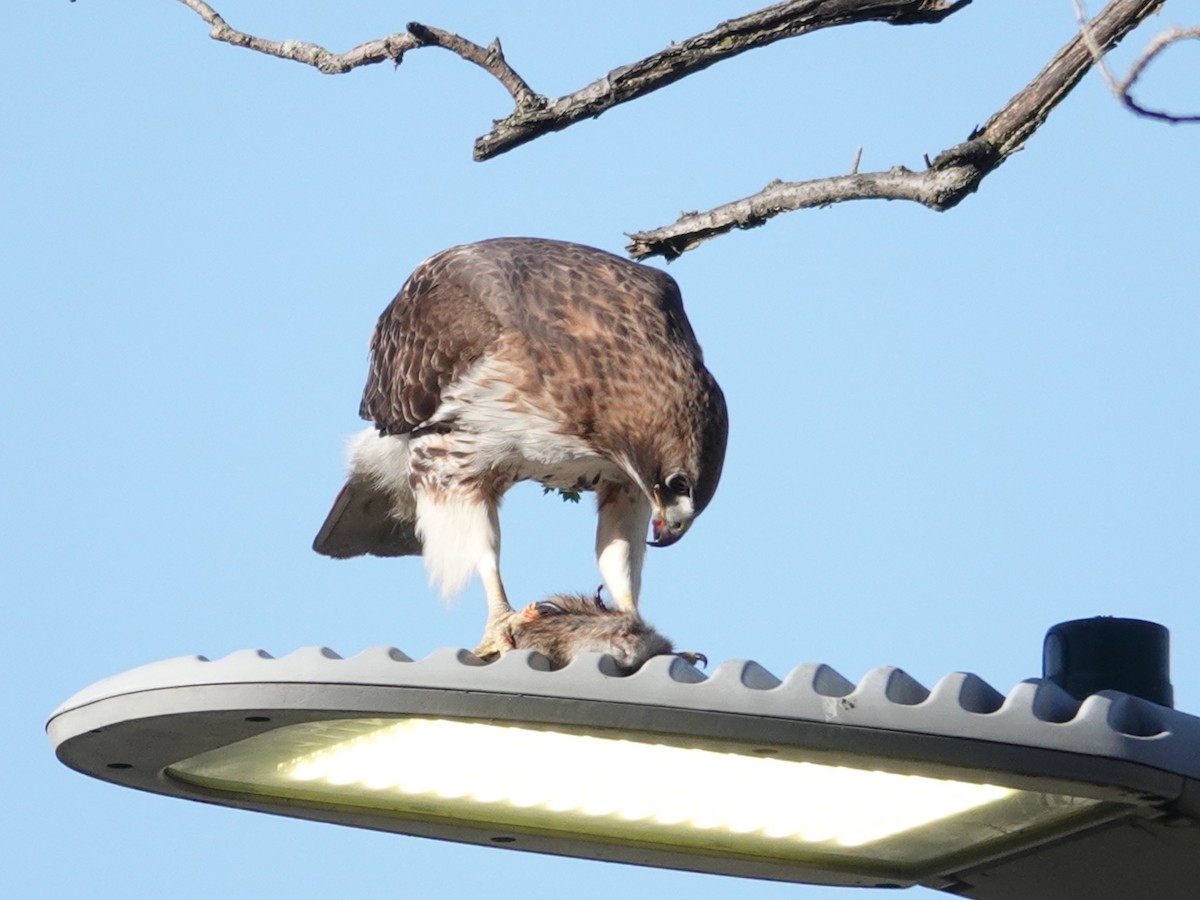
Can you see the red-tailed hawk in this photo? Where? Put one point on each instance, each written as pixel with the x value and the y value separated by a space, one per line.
pixel 520 359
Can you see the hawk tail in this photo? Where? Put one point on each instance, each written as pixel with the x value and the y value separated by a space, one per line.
pixel 361 522
pixel 374 513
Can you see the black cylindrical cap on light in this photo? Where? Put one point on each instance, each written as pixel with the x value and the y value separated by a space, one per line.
pixel 1107 654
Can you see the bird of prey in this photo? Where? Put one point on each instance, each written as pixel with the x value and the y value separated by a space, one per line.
pixel 523 359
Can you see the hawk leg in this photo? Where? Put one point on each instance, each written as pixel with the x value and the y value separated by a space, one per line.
pixel 497 632
pixel 621 542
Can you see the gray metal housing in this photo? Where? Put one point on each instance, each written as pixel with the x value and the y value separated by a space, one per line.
pixel 129 728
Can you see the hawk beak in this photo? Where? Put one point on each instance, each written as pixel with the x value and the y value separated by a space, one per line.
pixel 664 532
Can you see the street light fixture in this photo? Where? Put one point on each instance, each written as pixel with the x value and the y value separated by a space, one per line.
pixel 808 779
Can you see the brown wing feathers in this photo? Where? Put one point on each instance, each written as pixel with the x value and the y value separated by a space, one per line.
pixel 430 334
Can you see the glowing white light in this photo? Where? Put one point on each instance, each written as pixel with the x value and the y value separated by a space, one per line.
pixel 635 782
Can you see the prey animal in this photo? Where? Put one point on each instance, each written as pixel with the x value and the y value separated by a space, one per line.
pixel 566 625
pixel 523 359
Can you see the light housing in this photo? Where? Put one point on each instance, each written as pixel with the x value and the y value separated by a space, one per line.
pixel 986 786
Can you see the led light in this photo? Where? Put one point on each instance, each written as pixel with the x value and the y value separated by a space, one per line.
pixel 660 793
pixel 603 777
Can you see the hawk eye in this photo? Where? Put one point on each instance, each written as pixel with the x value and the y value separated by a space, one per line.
pixel 678 484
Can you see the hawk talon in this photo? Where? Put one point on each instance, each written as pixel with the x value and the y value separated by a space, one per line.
pixel 497 637
pixel 487 652
pixel 691 656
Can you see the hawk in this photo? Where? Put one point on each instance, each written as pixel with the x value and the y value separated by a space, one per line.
pixel 523 359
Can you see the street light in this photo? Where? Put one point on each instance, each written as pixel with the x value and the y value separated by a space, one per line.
pixel 806 779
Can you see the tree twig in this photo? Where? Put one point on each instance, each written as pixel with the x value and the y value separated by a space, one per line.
pixel 392 47
pixel 490 59
pixel 1123 87
pixel 950 177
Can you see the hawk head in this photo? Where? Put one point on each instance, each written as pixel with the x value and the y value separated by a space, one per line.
pixel 686 473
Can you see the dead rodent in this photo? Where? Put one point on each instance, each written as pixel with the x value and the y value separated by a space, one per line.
pixel 565 625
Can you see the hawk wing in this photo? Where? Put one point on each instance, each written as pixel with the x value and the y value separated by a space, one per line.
pixel 428 337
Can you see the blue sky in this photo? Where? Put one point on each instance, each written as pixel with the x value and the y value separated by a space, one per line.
pixel 949 431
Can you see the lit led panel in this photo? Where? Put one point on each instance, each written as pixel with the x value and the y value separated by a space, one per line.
pixel 769 803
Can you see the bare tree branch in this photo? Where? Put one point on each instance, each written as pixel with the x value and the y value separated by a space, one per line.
pixel 490 59
pixel 948 179
pixel 534 115
pixel 1123 88
pixel 391 47
pixel 758 29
